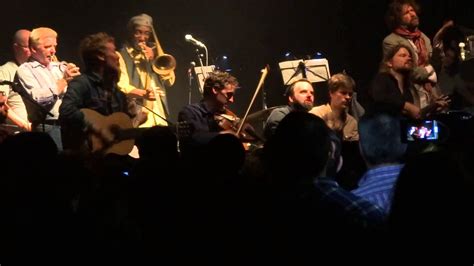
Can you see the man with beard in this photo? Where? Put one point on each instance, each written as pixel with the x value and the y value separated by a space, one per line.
pixel 96 89
pixel 300 96
pixel 390 91
pixel 402 19
pixel 335 113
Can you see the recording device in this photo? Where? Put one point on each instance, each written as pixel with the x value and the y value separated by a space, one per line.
pixel 452 127
pixel 421 130
pixel 425 130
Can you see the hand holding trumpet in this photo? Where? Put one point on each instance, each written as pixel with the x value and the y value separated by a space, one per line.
pixel 71 71
pixel 149 95
pixel 147 51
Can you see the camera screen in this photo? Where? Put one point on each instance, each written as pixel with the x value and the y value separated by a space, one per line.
pixel 424 130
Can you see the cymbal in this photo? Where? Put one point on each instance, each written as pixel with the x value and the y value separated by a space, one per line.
pixel 261 115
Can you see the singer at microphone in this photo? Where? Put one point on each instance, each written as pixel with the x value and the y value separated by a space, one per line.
pixel 189 38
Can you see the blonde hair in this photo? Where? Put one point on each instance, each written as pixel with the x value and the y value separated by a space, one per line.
pixel 38 34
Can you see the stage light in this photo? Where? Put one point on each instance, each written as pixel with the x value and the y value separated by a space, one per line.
pixel 318 55
pixel 223 63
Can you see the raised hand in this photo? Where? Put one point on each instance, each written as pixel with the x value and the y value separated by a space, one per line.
pixel 442 102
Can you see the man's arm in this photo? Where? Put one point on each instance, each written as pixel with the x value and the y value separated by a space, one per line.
pixel 273 121
pixel 69 111
pixel 201 134
pixel 125 86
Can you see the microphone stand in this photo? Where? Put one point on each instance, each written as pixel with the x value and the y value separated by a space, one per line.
pixel 301 68
pixel 202 69
pixel 207 55
pixel 153 112
pixel 190 79
pixel 18 88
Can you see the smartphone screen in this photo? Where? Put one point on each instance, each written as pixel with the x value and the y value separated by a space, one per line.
pixel 422 130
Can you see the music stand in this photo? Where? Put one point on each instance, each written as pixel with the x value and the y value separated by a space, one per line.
pixel 315 70
pixel 202 72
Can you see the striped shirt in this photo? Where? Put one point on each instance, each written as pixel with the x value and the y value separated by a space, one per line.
pixel 363 212
pixel 377 185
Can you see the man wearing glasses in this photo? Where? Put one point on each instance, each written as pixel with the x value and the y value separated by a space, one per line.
pixel 138 79
pixel 203 117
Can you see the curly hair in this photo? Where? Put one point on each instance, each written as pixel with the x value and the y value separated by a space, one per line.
pixel 92 46
pixel 393 16
pixel 218 79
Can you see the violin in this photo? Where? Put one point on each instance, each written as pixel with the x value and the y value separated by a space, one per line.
pixel 229 121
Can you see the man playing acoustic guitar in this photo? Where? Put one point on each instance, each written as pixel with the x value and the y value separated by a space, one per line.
pixel 96 89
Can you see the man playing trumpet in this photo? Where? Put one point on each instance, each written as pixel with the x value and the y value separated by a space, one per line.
pixel 46 81
pixel 138 78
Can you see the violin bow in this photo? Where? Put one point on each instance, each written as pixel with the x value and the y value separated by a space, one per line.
pixel 259 86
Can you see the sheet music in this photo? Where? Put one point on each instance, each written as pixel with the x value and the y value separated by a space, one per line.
pixel 317 70
pixel 199 70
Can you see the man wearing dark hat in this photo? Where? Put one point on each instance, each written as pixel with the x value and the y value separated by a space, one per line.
pixel 138 80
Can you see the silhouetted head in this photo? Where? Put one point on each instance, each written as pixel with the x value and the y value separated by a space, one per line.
pixel 299 149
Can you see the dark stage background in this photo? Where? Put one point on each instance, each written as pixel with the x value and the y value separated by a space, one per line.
pixel 251 33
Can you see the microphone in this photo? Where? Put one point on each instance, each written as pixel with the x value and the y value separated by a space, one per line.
pixel 189 38
pixel 192 64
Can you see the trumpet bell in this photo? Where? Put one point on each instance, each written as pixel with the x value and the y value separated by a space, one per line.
pixel 164 66
pixel 164 63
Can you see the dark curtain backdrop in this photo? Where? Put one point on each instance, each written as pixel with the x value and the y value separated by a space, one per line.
pixel 251 33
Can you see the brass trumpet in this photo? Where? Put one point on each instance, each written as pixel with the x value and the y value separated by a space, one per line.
pixel 163 64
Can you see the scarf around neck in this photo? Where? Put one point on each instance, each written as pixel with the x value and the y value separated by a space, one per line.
pixel 419 42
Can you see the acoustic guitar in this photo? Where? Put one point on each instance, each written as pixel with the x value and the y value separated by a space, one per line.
pixel 115 133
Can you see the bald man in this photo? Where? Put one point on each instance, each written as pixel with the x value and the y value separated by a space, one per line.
pixel 17 114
